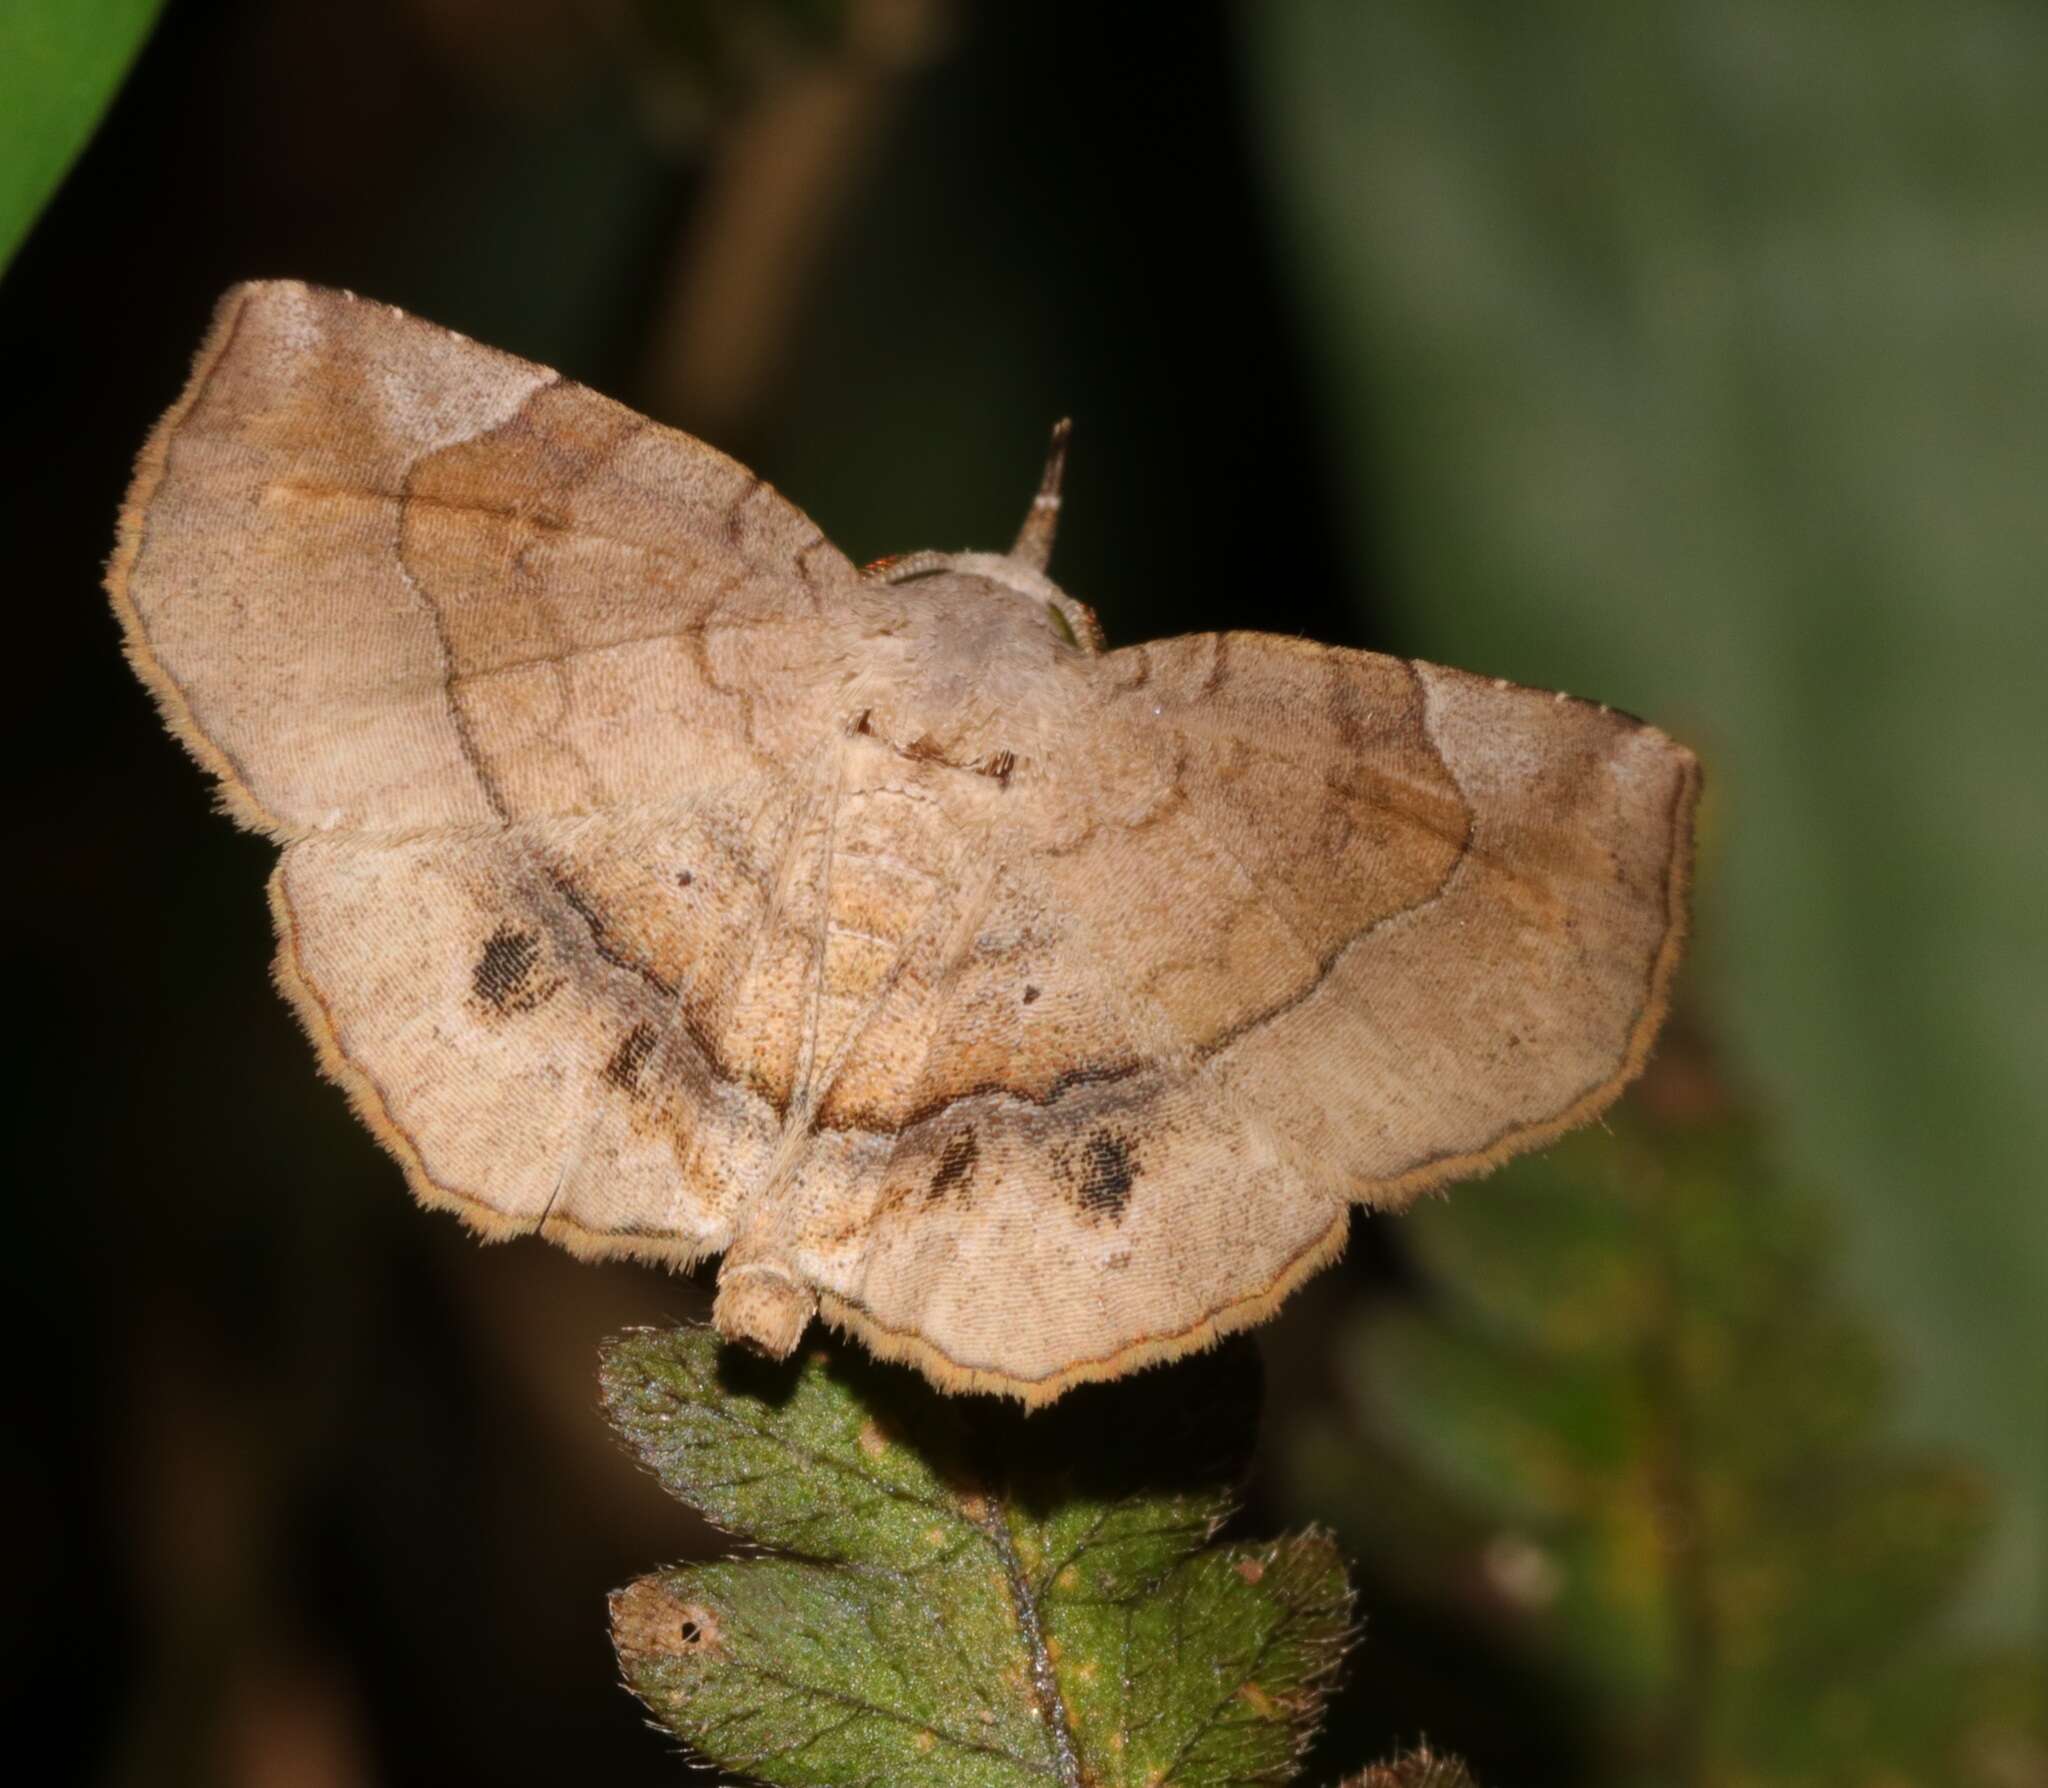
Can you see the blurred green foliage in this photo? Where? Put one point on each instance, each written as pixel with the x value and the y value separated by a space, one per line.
pixel 1697 358
pixel 1636 1430
pixel 973 1595
pixel 60 62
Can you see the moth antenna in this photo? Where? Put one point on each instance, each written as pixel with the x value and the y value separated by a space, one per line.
pixel 1042 519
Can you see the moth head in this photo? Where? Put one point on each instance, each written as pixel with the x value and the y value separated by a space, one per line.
pixel 1021 570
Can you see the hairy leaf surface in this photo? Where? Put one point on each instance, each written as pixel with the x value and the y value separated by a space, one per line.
pixel 965 1593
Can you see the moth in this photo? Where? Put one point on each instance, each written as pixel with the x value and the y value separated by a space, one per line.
pixel 655 880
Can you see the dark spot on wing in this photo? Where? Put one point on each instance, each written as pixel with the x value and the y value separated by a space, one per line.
pixel 684 878
pixel 623 1070
pixel 503 978
pixel 1030 994
pixel 955 1171
pixel 1107 1168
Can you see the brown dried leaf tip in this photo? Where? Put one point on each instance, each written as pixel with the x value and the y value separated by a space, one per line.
pixel 648 1622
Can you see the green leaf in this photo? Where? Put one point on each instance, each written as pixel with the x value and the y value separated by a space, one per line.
pixel 60 63
pixel 1636 1416
pixel 971 1594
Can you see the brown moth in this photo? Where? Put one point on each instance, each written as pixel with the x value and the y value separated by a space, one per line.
pixel 655 880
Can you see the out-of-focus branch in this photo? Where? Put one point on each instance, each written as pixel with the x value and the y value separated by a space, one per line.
pixel 779 173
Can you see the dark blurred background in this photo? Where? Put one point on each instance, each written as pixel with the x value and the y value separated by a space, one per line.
pixel 1694 358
